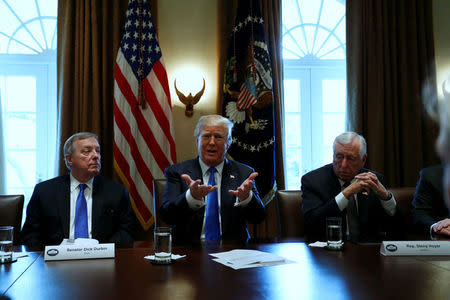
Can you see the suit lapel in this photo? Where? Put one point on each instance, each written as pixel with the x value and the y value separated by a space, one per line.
pixel 63 202
pixel 229 182
pixel 195 171
pixel 335 185
pixel 97 201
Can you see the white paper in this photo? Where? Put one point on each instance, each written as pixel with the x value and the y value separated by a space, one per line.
pixel 79 242
pixel 318 244
pixel 244 258
pixel 19 254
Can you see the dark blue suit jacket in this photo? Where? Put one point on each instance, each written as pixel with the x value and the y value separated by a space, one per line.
pixel 428 204
pixel 187 223
pixel 48 213
pixel 320 187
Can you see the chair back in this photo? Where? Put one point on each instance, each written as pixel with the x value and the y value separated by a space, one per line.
pixel 158 192
pixel 11 207
pixel 404 197
pixel 290 214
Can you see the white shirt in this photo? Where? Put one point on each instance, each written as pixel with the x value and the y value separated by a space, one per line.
pixel 74 191
pixel 197 204
pixel 389 206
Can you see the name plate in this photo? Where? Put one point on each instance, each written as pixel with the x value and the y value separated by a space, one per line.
pixel 68 252
pixel 398 248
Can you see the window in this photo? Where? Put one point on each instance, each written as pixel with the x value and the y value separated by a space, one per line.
pixel 314 83
pixel 28 92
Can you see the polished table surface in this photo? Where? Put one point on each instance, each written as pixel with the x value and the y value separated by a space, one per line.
pixel 358 272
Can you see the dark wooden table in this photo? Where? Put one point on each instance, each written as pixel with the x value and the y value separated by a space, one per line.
pixel 358 272
pixel 10 272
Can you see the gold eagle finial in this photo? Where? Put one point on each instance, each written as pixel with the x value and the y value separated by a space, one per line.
pixel 189 100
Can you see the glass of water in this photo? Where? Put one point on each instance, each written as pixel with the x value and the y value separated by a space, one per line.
pixel 6 243
pixel 334 233
pixel 162 244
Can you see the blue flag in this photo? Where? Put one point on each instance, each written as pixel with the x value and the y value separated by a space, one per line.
pixel 248 98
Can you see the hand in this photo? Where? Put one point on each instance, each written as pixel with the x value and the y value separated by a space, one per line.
pixel 243 191
pixel 442 227
pixel 369 181
pixel 354 188
pixel 198 191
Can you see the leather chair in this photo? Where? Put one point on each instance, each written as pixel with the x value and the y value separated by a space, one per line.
pixel 158 192
pixel 11 208
pixel 290 214
pixel 404 197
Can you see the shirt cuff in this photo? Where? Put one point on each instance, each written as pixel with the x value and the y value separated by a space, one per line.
pixel 341 201
pixel 194 203
pixel 432 233
pixel 389 205
pixel 245 202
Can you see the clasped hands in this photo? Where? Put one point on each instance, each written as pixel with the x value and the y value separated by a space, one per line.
pixel 442 227
pixel 365 182
pixel 199 191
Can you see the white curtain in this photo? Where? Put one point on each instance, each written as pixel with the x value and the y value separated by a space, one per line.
pixel 2 155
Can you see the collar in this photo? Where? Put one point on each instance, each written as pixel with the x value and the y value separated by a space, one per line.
pixel 205 167
pixel 74 183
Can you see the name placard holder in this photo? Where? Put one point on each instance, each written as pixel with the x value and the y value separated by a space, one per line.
pixel 414 248
pixel 68 252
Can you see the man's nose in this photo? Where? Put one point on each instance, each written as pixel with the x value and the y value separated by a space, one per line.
pixel 344 162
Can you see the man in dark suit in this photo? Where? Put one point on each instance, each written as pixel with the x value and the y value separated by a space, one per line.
pixel 346 189
pixel 79 204
pixel 430 213
pixel 443 142
pixel 188 204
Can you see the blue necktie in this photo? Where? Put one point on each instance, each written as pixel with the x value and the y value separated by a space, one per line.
pixel 212 227
pixel 81 222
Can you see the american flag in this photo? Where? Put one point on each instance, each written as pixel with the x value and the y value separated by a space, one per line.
pixel 246 96
pixel 143 131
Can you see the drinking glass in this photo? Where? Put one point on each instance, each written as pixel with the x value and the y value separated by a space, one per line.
pixel 334 233
pixel 6 243
pixel 163 244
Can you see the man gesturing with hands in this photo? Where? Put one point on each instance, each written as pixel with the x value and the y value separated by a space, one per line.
pixel 211 198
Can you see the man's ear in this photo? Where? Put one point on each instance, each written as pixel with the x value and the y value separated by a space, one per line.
pixel 364 158
pixel 69 159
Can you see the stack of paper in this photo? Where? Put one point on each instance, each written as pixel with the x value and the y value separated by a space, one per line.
pixel 244 258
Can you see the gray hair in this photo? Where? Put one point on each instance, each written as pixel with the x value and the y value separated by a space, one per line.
pixel 443 140
pixel 347 137
pixel 68 145
pixel 214 120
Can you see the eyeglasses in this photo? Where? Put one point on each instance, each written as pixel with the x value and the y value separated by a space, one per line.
pixel 217 137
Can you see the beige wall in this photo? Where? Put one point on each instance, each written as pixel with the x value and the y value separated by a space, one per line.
pixel 187 32
pixel 441 11
pixel 188 38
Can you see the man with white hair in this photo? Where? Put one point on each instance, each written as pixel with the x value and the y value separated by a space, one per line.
pixel 81 203
pixel 211 198
pixel 346 189
pixel 443 146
